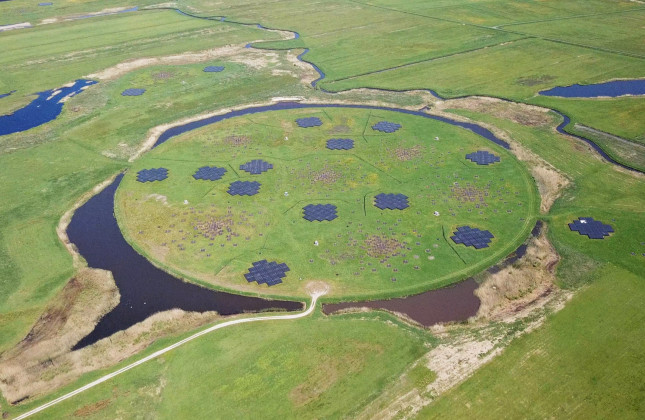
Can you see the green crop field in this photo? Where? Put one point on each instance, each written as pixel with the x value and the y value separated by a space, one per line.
pixel 569 347
pixel 587 362
pixel 196 228
pixel 308 368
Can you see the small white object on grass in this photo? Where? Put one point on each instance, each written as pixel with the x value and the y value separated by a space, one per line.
pixel 185 201
pixel 436 213
pixel 315 243
pixel 286 194
pixel 286 138
pixel 436 138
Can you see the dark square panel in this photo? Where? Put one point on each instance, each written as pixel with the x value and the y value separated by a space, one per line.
pixel 213 69
pixel 270 273
pixel 594 229
pixel 209 173
pixel 474 237
pixel 309 122
pixel 391 201
pixel 244 188
pixel 386 126
pixel 256 166
pixel 482 157
pixel 150 175
pixel 133 92
pixel 319 212
pixel 340 144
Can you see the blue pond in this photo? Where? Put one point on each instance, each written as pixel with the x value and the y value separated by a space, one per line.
pixel 608 89
pixel 4 95
pixel 213 69
pixel 41 110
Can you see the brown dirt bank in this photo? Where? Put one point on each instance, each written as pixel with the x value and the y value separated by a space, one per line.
pixel 43 361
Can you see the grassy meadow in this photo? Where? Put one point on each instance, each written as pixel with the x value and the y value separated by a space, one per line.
pixel 417 253
pixel 585 361
pixel 78 48
pixel 314 367
pixel 46 169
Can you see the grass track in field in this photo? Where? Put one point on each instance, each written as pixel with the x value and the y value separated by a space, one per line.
pixel 314 366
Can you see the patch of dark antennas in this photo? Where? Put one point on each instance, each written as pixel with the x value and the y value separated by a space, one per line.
pixel 270 273
pixel 151 175
pixel 386 126
pixel 213 69
pixel 256 166
pixel 472 237
pixel 594 229
pixel 340 144
pixel 319 212
pixel 133 92
pixel 209 173
pixel 482 157
pixel 391 201
pixel 308 122
pixel 244 188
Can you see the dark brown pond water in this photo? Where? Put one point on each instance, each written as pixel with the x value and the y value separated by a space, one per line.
pixel 453 303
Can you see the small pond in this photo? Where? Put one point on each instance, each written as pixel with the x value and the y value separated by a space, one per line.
pixel 611 89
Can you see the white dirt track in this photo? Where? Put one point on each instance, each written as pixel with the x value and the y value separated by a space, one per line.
pixel 308 311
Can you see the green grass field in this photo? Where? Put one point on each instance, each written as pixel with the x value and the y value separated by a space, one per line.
pixel 78 48
pixel 366 251
pixel 307 368
pixel 583 362
pixel 587 361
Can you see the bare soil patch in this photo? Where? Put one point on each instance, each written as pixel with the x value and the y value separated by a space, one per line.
pixel 90 409
pixel 405 154
pixel 528 115
pixel 381 246
pixel 326 176
pixel 72 315
pixel 237 141
pixel 508 292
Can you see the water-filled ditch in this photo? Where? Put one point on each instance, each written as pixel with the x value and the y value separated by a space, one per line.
pixel 145 289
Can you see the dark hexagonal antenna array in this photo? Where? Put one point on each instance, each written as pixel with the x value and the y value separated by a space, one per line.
pixel 319 212
pixel 308 122
pixel 482 157
pixel 256 166
pixel 391 201
pixel 150 175
pixel 386 126
pixel 244 188
pixel 340 144
pixel 213 69
pixel 209 173
pixel 472 237
pixel 267 272
pixel 133 92
pixel 594 229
